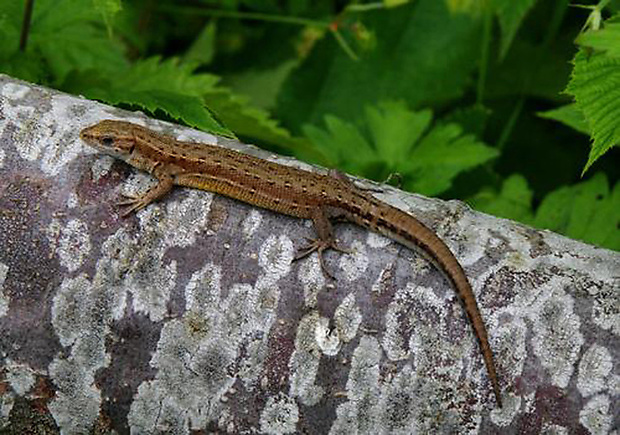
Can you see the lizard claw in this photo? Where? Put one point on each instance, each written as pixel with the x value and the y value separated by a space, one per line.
pixel 320 246
pixel 133 202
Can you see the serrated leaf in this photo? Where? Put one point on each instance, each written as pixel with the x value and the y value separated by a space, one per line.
pixel 568 115
pixel 167 86
pixel 605 39
pixel 190 109
pixel 585 211
pixel 394 139
pixel 510 14
pixel 342 145
pixel 595 84
pixel 248 121
pixel 65 34
pixel 395 128
pixel 440 156
pixel 513 201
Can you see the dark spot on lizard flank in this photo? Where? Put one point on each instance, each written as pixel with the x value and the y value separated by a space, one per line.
pixel 252 191
pixel 382 223
pixel 271 182
pixel 287 184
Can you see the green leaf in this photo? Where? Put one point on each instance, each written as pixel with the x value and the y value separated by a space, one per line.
pixel 393 139
pixel 163 85
pixel 585 211
pixel 108 9
pixel 202 49
pixel 510 14
pixel 473 119
pixel 248 121
pixel 595 84
pixel 66 35
pixel 568 115
pixel 513 201
pixel 423 55
pixel 342 145
pixel 606 39
pixel 394 129
pixel 440 156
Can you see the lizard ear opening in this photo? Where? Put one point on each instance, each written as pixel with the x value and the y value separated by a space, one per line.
pixel 107 141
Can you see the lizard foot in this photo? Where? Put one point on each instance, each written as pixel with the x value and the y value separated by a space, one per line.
pixel 134 203
pixel 320 245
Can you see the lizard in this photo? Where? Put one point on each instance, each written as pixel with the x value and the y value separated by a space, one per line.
pixel 283 189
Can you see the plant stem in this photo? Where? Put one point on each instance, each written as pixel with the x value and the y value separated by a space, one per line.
pixel 484 56
pixel 258 16
pixel 23 39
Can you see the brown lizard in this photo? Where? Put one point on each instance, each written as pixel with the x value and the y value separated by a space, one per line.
pixel 283 189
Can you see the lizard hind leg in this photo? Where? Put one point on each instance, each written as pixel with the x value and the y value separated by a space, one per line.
pixel 324 241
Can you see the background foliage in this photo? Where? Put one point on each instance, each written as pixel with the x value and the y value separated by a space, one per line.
pixel 511 105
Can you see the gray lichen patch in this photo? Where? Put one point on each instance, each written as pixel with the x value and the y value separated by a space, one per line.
pixel 348 318
pixel 279 416
pixel 360 413
pixel 71 242
pixel 595 370
pixel 41 142
pixel 20 377
pixel 275 256
pixel 198 356
pixel 77 401
pixel 4 300
pixel 596 415
pixel 606 307
pixel 354 265
pixel 304 363
pixel 557 339
pixel 185 219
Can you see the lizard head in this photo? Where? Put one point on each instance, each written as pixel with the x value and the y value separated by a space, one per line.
pixel 112 137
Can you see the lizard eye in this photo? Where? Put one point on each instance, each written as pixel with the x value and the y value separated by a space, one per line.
pixel 107 141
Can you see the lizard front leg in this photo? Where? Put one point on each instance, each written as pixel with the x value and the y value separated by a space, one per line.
pixel 325 240
pixel 164 185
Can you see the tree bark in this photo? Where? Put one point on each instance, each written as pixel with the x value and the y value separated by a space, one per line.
pixel 191 315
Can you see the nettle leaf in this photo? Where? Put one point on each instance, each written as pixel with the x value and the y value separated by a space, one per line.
pixel 513 201
pixel 510 14
pixel 569 115
pixel 65 35
pixel 585 211
pixel 595 84
pixel 248 121
pixel 393 139
pixel 167 86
